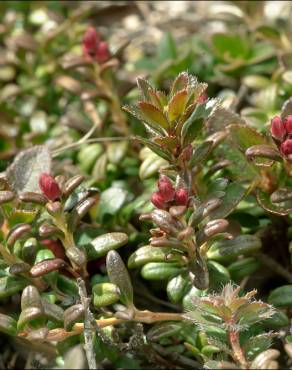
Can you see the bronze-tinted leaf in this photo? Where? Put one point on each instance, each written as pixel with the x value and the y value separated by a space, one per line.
pixel 153 115
pixel 72 184
pixel 102 244
pixel 76 255
pixel 181 82
pixel 281 195
pixel 68 83
pixel 31 298
pixel 265 152
pixel 32 197
pixel 162 152
pixel 53 312
pixel 29 314
pixel 18 232
pixel 177 105
pixel 72 315
pixel 118 275
pixel 46 266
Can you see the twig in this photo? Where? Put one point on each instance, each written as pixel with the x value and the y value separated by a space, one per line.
pixel 275 266
pixel 88 330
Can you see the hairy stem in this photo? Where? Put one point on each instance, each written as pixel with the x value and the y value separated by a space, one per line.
pixel 88 329
pixel 236 348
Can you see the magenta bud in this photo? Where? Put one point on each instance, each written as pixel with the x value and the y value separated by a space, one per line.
pixel 103 53
pixel 49 187
pixel 278 130
pixel 288 124
pixel 93 47
pixel 181 197
pixel 90 41
pixel 166 188
pixel 286 147
pixel 157 200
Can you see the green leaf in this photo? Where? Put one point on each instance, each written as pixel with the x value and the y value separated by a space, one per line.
pixel 163 330
pixel 193 125
pixel 234 193
pixel 230 46
pixel 219 275
pixel 200 153
pixel 244 267
pixel 24 173
pixel 281 297
pixel 119 276
pixel 160 270
pixel 167 47
pixel 277 320
pixel 176 288
pixel 8 325
pixel 10 285
pixel 88 155
pixel 67 285
pixel 148 254
pixel 151 165
pixel 245 136
pixel 257 344
pixel 101 245
pixel 105 294
pixel 117 151
pixel 221 118
pixel 226 250
pixel 111 201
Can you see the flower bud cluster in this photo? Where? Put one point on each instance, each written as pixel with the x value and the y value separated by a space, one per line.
pixel 94 48
pixel 281 131
pixel 168 195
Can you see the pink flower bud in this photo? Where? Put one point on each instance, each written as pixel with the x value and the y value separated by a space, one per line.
pixel 55 246
pixel 166 188
pixel 93 47
pixel 49 187
pixel 157 200
pixel 286 147
pixel 181 197
pixel 278 130
pixel 288 124
pixel 103 53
